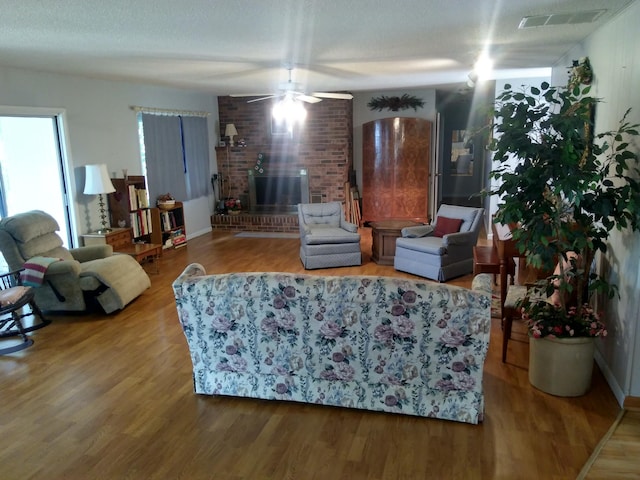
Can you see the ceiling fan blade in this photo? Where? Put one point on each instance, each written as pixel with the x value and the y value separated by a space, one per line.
pixel 263 98
pixel 238 95
pixel 339 96
pixel 308 99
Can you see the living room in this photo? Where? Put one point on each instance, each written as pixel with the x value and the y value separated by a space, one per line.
pixel 102 128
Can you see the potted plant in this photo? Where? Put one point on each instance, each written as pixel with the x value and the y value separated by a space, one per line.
pixel 233 205
pixel 564 189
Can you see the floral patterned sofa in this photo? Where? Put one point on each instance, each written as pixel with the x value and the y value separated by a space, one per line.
pixel 376 343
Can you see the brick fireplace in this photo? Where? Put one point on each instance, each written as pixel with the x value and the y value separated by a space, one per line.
pixel 322 148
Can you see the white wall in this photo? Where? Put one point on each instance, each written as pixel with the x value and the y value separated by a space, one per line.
pixel 102 128
pixel 615 59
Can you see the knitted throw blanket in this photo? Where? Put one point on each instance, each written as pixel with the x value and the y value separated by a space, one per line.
pixel 34 270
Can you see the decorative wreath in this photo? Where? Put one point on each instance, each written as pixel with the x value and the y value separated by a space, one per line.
pixel 395 103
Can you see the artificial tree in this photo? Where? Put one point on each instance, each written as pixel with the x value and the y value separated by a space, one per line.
pixel 563 187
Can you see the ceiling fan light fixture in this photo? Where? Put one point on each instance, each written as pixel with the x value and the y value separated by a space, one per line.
pixel 289 111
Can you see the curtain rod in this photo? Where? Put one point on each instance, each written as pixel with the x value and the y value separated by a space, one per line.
pixel 168 112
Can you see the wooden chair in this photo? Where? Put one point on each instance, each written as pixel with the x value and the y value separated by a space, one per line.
pixel 17 302
pixel 510 309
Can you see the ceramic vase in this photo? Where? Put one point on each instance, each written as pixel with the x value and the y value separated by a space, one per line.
pixel 561 366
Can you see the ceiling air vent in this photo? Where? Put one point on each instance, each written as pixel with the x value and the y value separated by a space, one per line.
pixel 560 19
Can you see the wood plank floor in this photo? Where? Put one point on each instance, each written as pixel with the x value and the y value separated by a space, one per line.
pixel 617 457
pixel 111 397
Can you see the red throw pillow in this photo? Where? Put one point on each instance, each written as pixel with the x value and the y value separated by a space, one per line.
pixel 446 225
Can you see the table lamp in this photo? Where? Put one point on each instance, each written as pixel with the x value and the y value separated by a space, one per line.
pixel 230 131
pixel 97 182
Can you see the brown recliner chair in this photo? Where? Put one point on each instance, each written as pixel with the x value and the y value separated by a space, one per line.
pixel 77 276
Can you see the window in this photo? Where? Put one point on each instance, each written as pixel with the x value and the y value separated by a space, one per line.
pixel 175 154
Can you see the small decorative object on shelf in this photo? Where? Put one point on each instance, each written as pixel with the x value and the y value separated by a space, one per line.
pixel 166 200
pixel 395 103
pixel 260 163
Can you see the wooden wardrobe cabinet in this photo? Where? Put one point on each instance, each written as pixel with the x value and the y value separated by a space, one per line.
pixel 395 169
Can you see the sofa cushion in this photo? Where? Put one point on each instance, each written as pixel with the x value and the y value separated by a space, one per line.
pixel 417 231
pixel 432 245
pixel 467 214
pixel 446 225
pixel 38 246
pixel 325 234
pixel 321 213
pixel 29 225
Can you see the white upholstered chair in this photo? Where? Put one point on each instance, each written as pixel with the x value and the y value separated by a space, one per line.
pixel 326 238
pixel 444 249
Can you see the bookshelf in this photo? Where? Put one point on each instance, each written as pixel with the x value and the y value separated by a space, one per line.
pixel 129 207
pixel 169 220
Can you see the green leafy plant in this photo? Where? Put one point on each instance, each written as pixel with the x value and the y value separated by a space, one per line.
pixel 562 187
pixel 546 320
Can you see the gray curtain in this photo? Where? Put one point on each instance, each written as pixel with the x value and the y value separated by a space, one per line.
pixel 196 154
pixel 164 156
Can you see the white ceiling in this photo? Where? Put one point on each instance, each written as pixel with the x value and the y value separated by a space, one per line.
pixel 245 46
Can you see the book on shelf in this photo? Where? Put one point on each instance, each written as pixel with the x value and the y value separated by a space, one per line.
pixel 133 198
pixel 168 221
pixel 178 238
pixel 143 201
pixel 141 222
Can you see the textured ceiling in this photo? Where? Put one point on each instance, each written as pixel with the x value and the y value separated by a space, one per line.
pixel 245 46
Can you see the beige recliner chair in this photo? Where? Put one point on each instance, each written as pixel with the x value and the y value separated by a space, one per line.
pixel 80 275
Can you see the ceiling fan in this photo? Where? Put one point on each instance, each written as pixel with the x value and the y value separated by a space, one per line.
pixel 292 91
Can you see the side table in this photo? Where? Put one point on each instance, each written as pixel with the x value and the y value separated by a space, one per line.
pixel 117 238
pixel 142 252
pixel 384 234
pixel 485 260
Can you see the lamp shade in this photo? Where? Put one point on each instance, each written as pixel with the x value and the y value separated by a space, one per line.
pixel 97 180
pixel 230 130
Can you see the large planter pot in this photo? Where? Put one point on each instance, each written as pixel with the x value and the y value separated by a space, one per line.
pixel 561 366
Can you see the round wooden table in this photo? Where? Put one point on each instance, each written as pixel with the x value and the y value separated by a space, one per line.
pixel 384 234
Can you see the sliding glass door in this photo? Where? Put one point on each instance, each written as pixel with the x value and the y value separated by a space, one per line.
pixel 31 168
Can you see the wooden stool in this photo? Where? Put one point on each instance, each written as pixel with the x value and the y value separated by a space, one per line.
pixel 485 260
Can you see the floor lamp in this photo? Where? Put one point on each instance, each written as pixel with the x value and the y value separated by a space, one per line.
pixel 97 182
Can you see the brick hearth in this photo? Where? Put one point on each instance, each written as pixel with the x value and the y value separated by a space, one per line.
pixel 323 146
pixel 248 222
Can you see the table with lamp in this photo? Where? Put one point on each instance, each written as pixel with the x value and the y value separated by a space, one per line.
pixel 97 182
